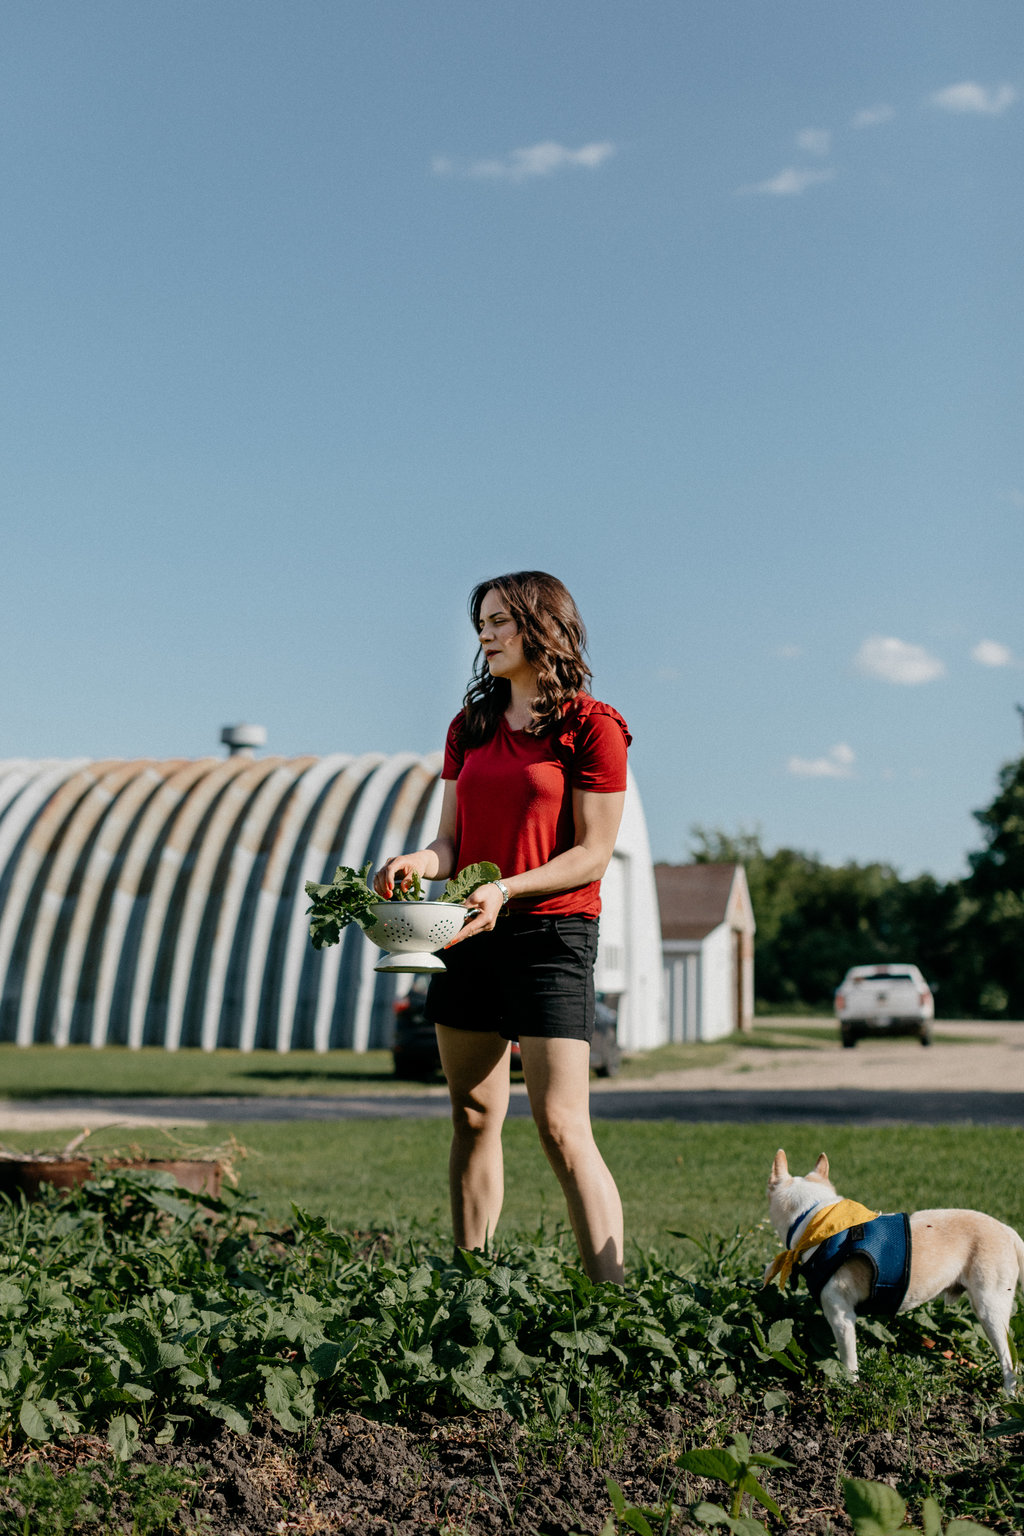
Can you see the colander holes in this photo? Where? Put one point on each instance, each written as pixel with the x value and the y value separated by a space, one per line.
pixel 397 928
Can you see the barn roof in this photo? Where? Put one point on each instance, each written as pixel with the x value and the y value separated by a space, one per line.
pixel 695 898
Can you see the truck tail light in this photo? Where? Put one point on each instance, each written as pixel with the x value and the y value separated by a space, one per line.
pixel 840 1002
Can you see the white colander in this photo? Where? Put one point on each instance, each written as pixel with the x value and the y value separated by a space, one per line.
pixel 409 932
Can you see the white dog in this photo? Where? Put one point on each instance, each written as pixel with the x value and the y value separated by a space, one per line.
pixel 849 1257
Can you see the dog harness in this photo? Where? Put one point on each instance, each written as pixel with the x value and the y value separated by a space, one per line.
pixel 843 1230
pixel 885 1243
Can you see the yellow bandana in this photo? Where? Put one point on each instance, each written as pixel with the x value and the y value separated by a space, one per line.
pixel 825 1223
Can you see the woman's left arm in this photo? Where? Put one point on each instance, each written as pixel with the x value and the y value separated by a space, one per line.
pixel 596 817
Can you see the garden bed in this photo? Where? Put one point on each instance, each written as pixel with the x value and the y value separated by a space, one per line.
pixel 170 1363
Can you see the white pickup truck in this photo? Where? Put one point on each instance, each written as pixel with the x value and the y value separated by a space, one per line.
pixel 889 999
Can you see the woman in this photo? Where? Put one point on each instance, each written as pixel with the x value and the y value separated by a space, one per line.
pixel 534 780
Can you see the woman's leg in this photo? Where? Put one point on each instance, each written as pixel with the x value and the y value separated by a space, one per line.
pixel 557 1076
pixel 476 1066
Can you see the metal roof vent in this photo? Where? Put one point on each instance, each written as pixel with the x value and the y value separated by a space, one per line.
pixel 240 740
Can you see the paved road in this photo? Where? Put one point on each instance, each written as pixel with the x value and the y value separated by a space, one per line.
pixel 837 1106
pixel 978 1078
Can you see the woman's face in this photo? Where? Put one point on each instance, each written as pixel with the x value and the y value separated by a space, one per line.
pixel 501 640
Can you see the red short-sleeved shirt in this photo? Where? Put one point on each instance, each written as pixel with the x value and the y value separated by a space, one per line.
pixel 514 794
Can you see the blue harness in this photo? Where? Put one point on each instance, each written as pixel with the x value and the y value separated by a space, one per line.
pixel 885 1243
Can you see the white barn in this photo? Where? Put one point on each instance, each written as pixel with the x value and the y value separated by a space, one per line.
pixel 707 934
pixel 161 902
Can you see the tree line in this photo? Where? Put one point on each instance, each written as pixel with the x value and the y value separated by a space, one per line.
pixel 815 920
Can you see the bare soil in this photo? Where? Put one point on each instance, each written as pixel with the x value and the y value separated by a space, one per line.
pixel 487 1476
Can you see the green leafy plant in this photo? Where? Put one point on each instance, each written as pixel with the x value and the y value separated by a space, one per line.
pixel 631 1517
pixel 347 899
pixel 350 899
pixel 731 1465
pixel 64 1502
pixel 875 1509
pixel 132 1309
pixel 468 880
pixel 1014 1425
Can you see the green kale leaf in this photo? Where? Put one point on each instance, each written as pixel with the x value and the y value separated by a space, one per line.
pixel 348 899
pixel 467 880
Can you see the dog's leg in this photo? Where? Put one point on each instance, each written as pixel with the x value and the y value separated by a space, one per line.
pixel 837 1303
pixel 993 1305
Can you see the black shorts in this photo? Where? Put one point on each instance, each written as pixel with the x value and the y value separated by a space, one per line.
pixel 527 976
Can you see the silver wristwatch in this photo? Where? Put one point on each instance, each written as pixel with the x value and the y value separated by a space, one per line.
pixel 503 888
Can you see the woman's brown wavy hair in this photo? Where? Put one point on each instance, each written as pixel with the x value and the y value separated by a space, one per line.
pixel 554 643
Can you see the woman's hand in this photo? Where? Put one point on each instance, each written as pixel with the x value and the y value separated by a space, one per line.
pixel 399 871
pixel 484 906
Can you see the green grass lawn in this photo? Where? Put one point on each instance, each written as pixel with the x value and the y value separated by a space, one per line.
pixel 371 1174
pixel 47 1071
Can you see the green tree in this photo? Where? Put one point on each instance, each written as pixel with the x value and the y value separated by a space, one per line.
pixel 815 920
pixel 992 918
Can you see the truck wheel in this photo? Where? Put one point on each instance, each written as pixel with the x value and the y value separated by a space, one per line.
pixel 849 1039
pixel 926 1034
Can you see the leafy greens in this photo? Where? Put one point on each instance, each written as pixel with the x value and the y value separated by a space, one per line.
pixel 468 880
pixel 349 899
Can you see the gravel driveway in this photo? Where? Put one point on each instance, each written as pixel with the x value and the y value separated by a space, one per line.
pixel 991 1060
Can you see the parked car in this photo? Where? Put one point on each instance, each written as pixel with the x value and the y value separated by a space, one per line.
pixel 891 999
pixel 417 1058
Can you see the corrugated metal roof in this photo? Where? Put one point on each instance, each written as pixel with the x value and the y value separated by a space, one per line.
pixel 147 902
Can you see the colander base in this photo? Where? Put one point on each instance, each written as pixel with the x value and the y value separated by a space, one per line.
pixel 419 962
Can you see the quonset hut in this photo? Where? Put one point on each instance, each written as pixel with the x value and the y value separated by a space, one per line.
pixel 162 903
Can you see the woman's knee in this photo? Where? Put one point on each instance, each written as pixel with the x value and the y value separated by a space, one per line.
pixel 477 1120
pixel 565 1138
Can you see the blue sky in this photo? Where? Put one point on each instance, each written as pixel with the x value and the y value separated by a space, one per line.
pixel 315 314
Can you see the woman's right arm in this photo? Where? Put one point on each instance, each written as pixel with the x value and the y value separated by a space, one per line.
pixel 434 862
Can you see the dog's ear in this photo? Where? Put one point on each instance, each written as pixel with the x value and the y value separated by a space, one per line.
pixel 821 1167
pixel 780 1167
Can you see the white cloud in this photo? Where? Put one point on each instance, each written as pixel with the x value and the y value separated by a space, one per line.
pixel 523 164
pixel 897 661
pixel 991 653
pixel 816 141
pixel 837 764
pixel 969 96
pixel 790 652
pixel 789 183
pixel 872 117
